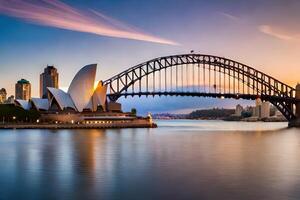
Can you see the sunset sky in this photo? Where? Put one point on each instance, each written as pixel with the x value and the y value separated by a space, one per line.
pixel 118 34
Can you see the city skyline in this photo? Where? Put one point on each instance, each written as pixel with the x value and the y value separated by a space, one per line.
pixel 249 35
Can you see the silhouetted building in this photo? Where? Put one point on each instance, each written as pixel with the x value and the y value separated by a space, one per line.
pixel 10 99
pixel 49 78
pixel 23 89
pixel 3 95
pixel 238 110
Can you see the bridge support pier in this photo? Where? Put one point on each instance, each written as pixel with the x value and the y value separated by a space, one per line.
pixel 296 122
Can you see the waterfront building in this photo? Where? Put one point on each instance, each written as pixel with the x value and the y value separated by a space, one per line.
pixel 49 78
pixel 40 104
pixel 114 107
pixel 265 110
pixel 81 95
pixel 81 100
pixel 23 90
pixel 26 105
pixel 262 109
pixel 83 84
pixel 3 95
pixel 238 110
pixel 257 109
pixel 250 109
pixel 10 99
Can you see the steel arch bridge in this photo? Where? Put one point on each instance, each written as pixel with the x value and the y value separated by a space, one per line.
pixel 202 76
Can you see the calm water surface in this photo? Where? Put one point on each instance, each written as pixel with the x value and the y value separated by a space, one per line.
pixel 179 160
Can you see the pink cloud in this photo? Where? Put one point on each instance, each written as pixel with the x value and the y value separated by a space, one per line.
pixel 54 13
pixel 278 33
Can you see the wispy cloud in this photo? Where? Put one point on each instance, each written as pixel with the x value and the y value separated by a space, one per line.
pixel 277 33
pixel 272 31
pixel 230 17
pixel 54 13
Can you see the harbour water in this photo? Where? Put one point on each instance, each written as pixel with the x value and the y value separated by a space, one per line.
pixel 181 159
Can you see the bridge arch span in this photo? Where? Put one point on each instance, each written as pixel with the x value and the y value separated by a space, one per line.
pixel 202 75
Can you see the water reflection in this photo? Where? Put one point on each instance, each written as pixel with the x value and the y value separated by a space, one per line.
pixel 170 162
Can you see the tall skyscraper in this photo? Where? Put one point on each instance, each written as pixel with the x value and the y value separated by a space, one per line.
pixel 49 78
pixel 23 89
pixel 3 95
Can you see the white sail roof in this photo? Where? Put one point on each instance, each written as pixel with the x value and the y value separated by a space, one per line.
pixel 23 103
pixel 40 104
pixel 82 87
pixel 99 96
pixel 63 99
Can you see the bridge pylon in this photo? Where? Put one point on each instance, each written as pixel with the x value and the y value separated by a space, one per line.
pixel 298 103
pixel 296 122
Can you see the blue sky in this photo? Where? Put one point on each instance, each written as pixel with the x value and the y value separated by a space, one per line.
pixel 262 34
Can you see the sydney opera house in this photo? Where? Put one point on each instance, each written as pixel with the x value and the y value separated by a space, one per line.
pixel 84 99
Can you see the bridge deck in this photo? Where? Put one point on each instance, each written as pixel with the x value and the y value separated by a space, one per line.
pixel 213 95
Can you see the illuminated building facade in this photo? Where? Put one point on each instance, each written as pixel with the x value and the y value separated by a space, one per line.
pixel 49 78
pixel 3 95
pixel 23 90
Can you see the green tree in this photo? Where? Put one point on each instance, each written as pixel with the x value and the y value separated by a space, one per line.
pixel 246 114
pixel 12 113
pixel 133 111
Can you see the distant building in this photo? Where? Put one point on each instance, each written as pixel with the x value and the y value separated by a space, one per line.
pixel 3 95
pixel 265 110
pixel 238 110
pixel 258 102
pixel 262 109
pixel 23 89
pixel 250 110
pixel 257 109
pixel 10 99
pixel 49 78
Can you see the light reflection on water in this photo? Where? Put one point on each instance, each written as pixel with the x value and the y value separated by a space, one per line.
pixel 179 160
pixel 219 125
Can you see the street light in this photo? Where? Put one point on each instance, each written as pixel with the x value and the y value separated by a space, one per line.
pixel 14 118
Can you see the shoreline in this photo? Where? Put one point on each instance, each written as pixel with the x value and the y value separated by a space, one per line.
pixel 67 126
pixel 225 120
pixel 136 123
